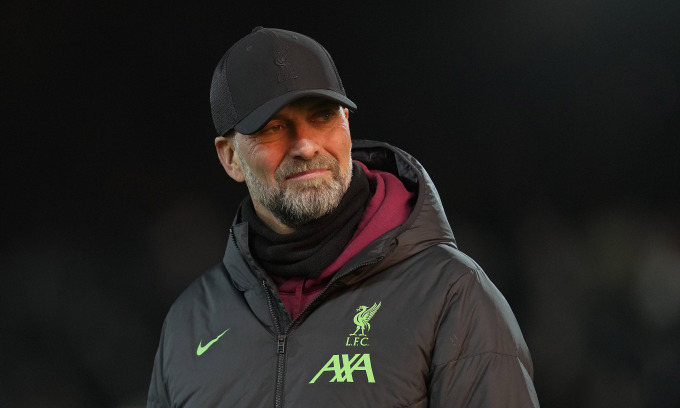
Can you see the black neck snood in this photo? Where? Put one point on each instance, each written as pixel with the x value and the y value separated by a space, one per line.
pixel 312 247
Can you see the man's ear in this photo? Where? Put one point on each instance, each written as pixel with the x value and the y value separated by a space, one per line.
pixel 226 151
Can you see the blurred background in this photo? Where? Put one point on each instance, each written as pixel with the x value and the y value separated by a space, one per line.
pixel 550 128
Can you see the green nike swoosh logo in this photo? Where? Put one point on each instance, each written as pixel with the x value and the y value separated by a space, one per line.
pixel 201 349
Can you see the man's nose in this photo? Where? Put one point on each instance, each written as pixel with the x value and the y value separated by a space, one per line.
pixel 304 142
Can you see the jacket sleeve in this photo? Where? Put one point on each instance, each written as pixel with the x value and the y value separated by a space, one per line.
pixel 480 358
pixel 158 392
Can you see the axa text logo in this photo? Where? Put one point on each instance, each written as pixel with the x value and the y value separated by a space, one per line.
pixel 342 367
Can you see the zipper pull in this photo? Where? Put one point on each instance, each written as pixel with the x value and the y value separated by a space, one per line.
pixel 281 345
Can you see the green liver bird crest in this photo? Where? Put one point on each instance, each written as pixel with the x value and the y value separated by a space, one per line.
pixel 361 319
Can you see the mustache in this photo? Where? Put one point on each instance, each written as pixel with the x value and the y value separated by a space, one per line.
pixel 293 166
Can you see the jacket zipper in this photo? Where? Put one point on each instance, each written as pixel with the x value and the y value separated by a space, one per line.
pixel 280 350
pixel 280 344
pixel 281 339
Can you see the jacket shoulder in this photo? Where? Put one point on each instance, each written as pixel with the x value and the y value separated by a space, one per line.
pixel 477 314
pixel 212 285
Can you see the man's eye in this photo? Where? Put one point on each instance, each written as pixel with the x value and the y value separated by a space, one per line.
pixel 274 128
pixel 325 116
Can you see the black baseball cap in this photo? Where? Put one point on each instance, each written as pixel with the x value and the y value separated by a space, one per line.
pixel 265 71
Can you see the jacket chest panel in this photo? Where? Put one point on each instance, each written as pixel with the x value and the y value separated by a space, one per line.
pixel 358 347
pixel 215 368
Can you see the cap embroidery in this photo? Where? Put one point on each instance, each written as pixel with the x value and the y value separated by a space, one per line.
pixel 285 71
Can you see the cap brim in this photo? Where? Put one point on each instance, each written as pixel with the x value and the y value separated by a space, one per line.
pixel 255 120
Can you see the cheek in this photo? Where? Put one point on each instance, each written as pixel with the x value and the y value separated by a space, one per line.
pixel 343 152
pixel 265 165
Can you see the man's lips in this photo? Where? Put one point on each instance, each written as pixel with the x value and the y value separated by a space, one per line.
pixel 306 175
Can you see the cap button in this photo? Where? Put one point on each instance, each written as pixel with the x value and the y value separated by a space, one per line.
pixel 258 28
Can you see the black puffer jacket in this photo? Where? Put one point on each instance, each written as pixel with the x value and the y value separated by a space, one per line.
pixel 409 322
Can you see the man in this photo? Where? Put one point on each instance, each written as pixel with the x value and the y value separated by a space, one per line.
pixel 341 284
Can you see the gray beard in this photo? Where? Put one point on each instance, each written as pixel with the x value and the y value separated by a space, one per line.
pixel 305 201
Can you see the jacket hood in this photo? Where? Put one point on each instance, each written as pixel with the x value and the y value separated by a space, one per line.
pixel 427 225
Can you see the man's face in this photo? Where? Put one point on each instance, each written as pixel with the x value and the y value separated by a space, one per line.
pixel 299 165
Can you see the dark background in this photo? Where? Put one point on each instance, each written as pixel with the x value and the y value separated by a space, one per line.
pixel 550 128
